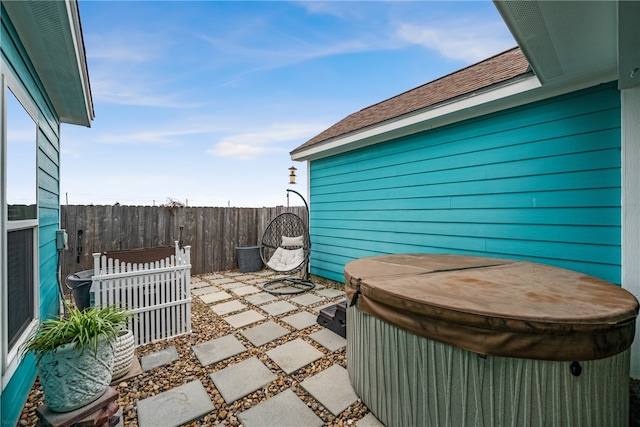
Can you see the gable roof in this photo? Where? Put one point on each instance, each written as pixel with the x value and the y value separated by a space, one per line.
pixel 493 71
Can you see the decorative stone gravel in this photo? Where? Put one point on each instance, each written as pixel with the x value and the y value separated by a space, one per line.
pixel 207 326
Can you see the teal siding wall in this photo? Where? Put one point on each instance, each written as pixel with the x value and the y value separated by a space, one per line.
pixel 48 158
pixel 540 182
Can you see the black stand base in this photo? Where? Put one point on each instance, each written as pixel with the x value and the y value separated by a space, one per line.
pixel 288 286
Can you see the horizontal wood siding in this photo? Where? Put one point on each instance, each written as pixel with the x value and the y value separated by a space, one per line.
pixel 48 173
pixel 540 182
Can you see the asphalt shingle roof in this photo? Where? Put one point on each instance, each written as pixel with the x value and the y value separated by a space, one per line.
pixel 495 70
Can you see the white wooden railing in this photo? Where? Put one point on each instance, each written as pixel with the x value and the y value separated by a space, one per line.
pixel 159 293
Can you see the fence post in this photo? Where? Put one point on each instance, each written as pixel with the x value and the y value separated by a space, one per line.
pixel 95 285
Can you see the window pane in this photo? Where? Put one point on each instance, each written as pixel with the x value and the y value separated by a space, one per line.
pixel 21 281
pixel 21 161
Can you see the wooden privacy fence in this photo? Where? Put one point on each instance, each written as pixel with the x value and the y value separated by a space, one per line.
pixel 158 293
pixel 212 232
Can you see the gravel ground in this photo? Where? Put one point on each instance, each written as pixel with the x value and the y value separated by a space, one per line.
pixel 206 326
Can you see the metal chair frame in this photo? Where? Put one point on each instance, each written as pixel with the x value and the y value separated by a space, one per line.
pixel 289 225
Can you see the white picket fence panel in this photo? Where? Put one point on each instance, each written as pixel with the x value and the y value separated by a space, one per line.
pixel 159 293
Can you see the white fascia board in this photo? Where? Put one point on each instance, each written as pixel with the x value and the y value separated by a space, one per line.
pixel 510 95
pixel 73 14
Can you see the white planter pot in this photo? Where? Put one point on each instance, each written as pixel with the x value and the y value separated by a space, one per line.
pixel 123 354
pixel 72 379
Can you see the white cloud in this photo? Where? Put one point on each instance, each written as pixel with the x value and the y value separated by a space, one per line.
pixel 249 145
pixel 465 41
pixel 134 48
pixel 292 52
pixel 109 91
pixel 238 150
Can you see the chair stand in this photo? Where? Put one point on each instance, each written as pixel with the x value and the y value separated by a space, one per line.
pixel 288 286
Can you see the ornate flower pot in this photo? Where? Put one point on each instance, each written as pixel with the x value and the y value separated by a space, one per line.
pixel 123 354
pixel 72 379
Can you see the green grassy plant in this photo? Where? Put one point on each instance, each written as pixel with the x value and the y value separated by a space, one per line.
pixel 82 328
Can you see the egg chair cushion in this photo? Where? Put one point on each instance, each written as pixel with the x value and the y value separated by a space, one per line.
pixel 286 259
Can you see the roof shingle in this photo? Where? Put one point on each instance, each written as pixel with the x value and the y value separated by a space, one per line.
pixel 497 69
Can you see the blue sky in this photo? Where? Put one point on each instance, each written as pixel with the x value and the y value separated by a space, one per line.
pixel 202 101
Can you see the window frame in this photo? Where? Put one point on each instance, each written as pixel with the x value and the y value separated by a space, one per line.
pixel 11 357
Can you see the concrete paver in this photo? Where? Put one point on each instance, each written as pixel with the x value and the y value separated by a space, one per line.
pixel 306 299
pixel 238 380
pixel 221 281
pixel 284 289
pixel 261 298
pixel 228 307
pixel 245 277
pixel 331 292
pixel 332 388
pixel 243 319
pixel 283 410
pixel 301 320
pixel 329 339
pixel 214 276
pixel 264 333
pixel 205 290
pixel 219 349
pixel 234 273
pixel 158 358
pixel 369 420
pixel 197 282
pixel 215 297
pixel 246 290
pixel 278 308
pixel 294 355
pixel 231 285
pixel 175 407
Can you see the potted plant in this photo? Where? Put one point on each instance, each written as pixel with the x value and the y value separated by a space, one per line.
pixel 74 355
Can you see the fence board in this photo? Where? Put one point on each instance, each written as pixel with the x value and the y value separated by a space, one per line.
pixel 151 290
pixel 212 232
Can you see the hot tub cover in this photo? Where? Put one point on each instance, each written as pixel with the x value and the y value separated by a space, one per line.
pixel 496 307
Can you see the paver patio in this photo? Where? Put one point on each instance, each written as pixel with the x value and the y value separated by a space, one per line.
pixel 247 371
pixel 330 387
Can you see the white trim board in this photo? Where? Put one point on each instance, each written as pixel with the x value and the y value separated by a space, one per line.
pixel 630 111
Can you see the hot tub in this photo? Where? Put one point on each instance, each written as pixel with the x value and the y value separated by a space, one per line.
pixel 451 340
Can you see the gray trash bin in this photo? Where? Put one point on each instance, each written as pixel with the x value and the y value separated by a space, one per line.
pixel 80 285
pixel 249 258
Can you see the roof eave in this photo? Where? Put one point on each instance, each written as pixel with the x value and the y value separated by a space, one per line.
pixel 461 108
pixel 52 35
pixel 566 40
pixel 511 94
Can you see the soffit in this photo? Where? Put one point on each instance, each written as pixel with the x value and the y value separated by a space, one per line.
pixel 51 33
pixel 565 40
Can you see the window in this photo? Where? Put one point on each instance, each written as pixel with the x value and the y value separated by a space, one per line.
pixel 20 282
pixel 20 218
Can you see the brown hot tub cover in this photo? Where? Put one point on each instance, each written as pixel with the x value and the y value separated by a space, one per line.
pixel 496 307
